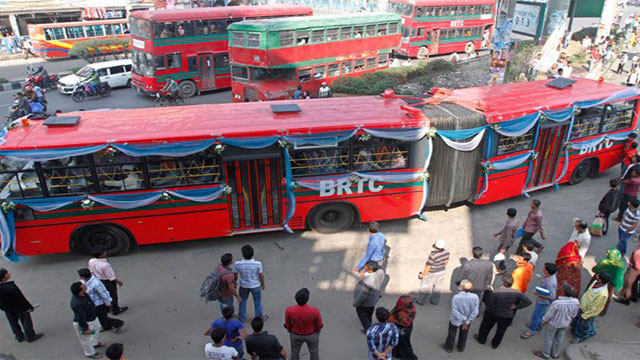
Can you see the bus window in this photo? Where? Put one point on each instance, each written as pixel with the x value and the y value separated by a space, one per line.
pixel 98 30
pixel 317 36
pixel 200 27
pixel 118 172
pixel 460 10
pixel 332 34
pixel 184 28
pixel 112 29
pixel 140 28
pixel 19 181
pixel 586 124
pixel 618 116
pixel 240 73
pixel 319 72
pixel 253 40
pixel 421 32
pixel 221 60
pixel 117 29
pixel 359 66
pixel 508 145
pixel 486 9
pixel 345 32
pixel 383 60
pixel 74 32
pixel 358 31
pixel 437 11
pixel 334 70
pixel 286 38
pixel 370 30
pixel 108 30
pixel 347 67
pixel 174 61
pixel 401 9
pixel 166 171
pixel 161 62
pixel 382 29
pixel 237 38
pixel 420 11
pixel 48 35
pixel 262 74
pixel 378 153
pixel 201 168
pixel 393 28
pixel 304 75
pixel 302 37
pixel 143 63
pixel 89 31
pixel 429 11
pixel 371 63
pixel 192 63
pixel 321 160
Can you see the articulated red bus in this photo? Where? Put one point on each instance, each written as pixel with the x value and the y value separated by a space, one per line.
pixel 271 58
pixel 431 27
pixel 56 39
pixel 190 45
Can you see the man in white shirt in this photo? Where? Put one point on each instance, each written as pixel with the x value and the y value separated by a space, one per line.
pixel 216 350
pixel 581 235
pixel 567 70
pixel 101 269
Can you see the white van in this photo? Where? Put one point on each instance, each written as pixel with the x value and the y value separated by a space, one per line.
pixel 117 73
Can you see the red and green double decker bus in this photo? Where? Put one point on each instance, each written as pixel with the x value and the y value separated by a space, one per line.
pixel 271 58
pixel 431 27
pixel 119 178
pixel 190 45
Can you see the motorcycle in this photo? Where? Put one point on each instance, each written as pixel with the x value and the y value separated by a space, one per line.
pixel 38 80
pixel 82 91
pixel 15 111
pixel 163 99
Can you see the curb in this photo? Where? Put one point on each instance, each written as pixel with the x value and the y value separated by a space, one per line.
pixel 14 85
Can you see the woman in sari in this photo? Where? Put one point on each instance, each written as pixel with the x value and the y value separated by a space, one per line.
pixel 569 265
pixel 614 266
pixel 402 315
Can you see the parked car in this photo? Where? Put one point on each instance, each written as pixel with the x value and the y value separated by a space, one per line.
pixel 116 73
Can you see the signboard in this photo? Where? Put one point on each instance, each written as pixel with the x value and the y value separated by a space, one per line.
pixel 591 8
pixel 528 18
pixel 137 43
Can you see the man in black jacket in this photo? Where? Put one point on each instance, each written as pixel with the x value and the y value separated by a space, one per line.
pixel 85 320
pixel 501 306
pixel 609 203
pixel 17 308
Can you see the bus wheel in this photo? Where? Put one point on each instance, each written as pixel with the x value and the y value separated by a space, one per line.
pixel 580 172
pixel 188 88
pixel 469 48
pixel 423 53
pixel 331 218
pixel 99 238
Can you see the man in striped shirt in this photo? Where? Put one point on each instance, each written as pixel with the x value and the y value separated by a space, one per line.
pixel 433 274
pixel 557 320
pixel 628 225
pixel 382 337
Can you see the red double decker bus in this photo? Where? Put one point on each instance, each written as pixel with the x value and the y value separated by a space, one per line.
pixel 431 27
pixel 190 45
pixel 271 58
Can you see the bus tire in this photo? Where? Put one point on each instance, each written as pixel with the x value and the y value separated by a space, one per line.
pixel 188 88
pixel 581 171
pixel 97 238
pixel 331 218
pixel 469 48
pixel 423 53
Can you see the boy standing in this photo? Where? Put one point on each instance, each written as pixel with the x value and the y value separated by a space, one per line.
pixel 609 203
pixel 217 351
pixel 543 300
pixel 522 273
pixel 507 235
pixel 233 330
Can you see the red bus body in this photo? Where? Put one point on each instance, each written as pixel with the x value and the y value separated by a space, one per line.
pixel 198 60
pixel 179 220
pixel 432 27
pixel 312 63
pixel 55 40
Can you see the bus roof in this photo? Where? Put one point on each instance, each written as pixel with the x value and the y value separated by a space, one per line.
pixel 79 23
pixel 510 101
pixel 444 2
pixel 301 22
pixel 221 12
pixel 198 122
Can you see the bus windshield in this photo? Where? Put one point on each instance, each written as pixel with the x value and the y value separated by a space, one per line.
pixel 262 74
pixel 141 28
pixel 401 9
pixel 143 63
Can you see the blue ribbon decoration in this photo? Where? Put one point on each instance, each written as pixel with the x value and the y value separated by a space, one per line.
pixel 8 232
pixel 291 198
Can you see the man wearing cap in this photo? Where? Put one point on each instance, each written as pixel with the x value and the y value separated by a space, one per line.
pixel 433 274
pixel 465 306
pixel 325 91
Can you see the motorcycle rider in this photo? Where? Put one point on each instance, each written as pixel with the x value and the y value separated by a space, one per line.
pixel 23 103
pixel 38 70
pixel 94 82
pixel 172 89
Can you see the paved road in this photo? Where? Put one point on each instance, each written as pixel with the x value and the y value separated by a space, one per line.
pixel 16 69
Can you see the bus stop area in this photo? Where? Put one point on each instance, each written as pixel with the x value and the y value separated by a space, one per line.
pixel 167 317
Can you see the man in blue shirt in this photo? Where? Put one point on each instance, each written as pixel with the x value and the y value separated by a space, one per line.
pixel 297 94
pixel 234 330
pixel 375 248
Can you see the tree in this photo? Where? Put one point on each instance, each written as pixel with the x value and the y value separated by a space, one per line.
pixel 96 50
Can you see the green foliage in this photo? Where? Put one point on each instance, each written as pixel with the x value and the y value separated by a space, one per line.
pixel 522 54
pixel 580 58
pixel 97 49
pixel 3 81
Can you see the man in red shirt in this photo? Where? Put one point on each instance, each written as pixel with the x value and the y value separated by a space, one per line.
pixel 304 324
pixel 630 277
pixel 227 282
pixel 532 225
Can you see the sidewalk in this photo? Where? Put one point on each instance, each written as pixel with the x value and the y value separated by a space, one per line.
pixel 604 350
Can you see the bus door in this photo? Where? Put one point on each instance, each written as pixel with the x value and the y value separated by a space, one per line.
pixel 256 199
pixel 207 74
pixel 546 167
pixel 222 70
pixel 433 35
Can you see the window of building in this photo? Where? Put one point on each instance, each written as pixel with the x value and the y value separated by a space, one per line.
pixel 359 66
pixel 378 153
pixel 74 32
pixel 347 67
pixel 237 38
pixel 332 34
pixel 319 72
pixel 286 38
pixel 618 116
pixel 174 61
pixel 317 36
pixel 393 28
pixel 304 75
pixel 370 30
pixel 383 60
pixel 253 40
pixel 302 37
pixel 240 73
pixel 371 63
pixel 345 32
pixel 334 70
pixel 508 145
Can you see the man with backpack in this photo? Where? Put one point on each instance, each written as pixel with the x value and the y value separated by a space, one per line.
pixel 220 284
